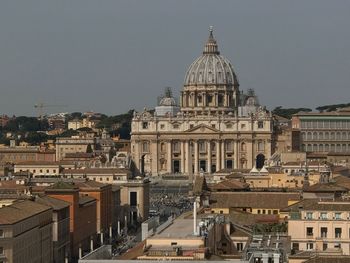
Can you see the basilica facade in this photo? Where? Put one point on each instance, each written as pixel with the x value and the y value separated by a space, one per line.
pixel 214 127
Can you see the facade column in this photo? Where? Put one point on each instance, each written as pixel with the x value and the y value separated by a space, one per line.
pixel 169 159
pixel 236 154
pixel 196 157
pixel 209 157
pixel 182 157
pixel 188 166
pixel 223 154
pixel 218 158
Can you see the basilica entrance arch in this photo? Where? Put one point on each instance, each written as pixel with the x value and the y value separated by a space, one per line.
pixel 260 161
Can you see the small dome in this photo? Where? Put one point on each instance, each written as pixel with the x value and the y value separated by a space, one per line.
pixel 211 67
pixel 166 101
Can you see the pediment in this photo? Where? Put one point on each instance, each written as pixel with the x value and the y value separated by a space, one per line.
pixel 202 128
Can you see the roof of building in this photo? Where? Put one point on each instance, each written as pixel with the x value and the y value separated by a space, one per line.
pixel 90 184
pixel 38 163
pixel 317 205
pixel 79 155
pixel 12 184
pixel 60 185
pixel 325 188
pixel 20 210
pixel 229 185
pixel 343 181
pixel 180 228
pixel 249 219
pixel 328 259
pixel 100 171
pixel 265 200
pixel 56 204
pixel 85 199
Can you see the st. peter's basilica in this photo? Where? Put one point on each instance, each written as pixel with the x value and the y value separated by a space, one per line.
pixel 215 127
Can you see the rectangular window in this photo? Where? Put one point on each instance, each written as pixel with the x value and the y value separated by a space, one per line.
pixel 337 216
pixel 309 215
pixel 260 124
pixel 240 246
pixel 337 232
pixel 1 233
pixel 133 198
pixel 309 246
pixel 324 231
pixel 323 215
pixel 309 231
pixel 295 246
pixel 325 246
pixel 1 250
pixel 145 125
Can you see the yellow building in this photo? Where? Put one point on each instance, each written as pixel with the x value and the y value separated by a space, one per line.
pixel 316 225
pixel 266 203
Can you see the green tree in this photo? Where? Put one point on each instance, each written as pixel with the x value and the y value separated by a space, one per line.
pixel 288 112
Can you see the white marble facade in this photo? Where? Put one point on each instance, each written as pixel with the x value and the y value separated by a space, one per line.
pixel 208 132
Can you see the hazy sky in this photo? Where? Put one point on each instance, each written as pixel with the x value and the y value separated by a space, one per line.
pixel 111 56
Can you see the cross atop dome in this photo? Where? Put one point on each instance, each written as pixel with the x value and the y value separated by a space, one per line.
pixel 211 46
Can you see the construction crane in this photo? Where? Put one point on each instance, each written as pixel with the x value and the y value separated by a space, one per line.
pixel 40 106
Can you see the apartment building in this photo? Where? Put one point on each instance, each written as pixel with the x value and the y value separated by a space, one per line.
pixel 26 233
pixel 316 225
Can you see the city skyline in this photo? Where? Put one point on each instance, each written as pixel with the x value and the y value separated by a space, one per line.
pixel 111 57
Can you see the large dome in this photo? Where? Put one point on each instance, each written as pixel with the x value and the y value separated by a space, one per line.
pixel 211 67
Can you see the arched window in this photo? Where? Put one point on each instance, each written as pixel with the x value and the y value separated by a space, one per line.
pixel 309 136
pixel 326 136
pixel 321 148
pixel 344 137
pixel 314 136
pixel 343 148
pixel 309 148
pixel 303 136
pixel 332 136
pixel 320 135
pixel 338 136
pixel 338 148
pixel 326 147
pixel 332 148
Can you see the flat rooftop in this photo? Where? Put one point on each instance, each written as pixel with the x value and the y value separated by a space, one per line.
pixel 180 228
